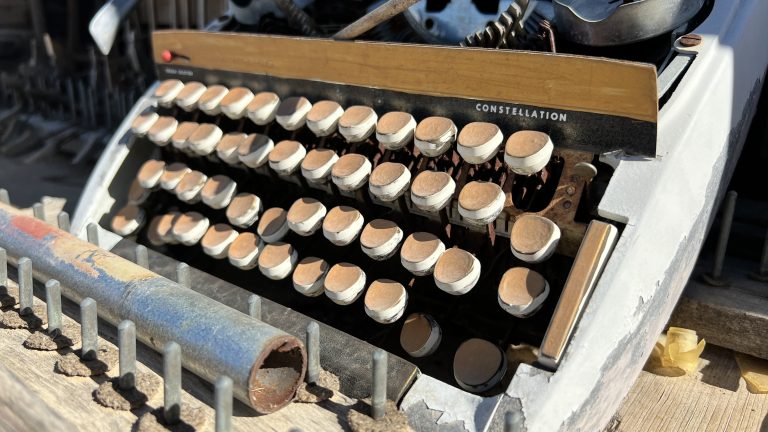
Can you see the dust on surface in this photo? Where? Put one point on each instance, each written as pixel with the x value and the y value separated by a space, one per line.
pixel 192 418
pixel 393 420
pixel 110 395
pixel 30 321
pixel 326 386
pixel 44 341
pixel 71 365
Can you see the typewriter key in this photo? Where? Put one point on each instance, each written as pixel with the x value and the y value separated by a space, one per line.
pixel 292 113
pixel 351 171
pixel 286 157
pixel 180 138
pixel 190 186
pixel 478 365
pixel 234 103
pixel 457 271
pixel 161 132
pixel 277 260
pixel 389 181
pixel 305 216
pixel 435 135
pixel 227 148
pixel 143 122
pixel 172 175
pixel 218 191
pixel 204 139
pixel 481 202
pixel 244 210
pixel 479 142
pixel 317 164
pixel 189 228
pixel 263 108
pixel 385 301
pixel 534 238
pixel 167 91
pixel 344 283
pixel 255 149
pixel 217 240
pixel 421 335
pixel 380 239
pixel 420 253
pixel 323 118
pixel 150 172
pixel 528 152
pixel 357 123
pixel 522 291
pixel 394 130
pixel 245 250
pixel 309 276
pixel 342 225
pixel 210 100
pixel 189 95
pixel 273 225
pixel 127 220
pixel 432 190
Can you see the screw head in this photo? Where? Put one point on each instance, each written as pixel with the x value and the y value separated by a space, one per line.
pixel 690 40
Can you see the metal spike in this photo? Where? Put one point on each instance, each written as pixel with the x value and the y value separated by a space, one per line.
pixel 63 221
pixel 142 256
pixel 53 305
pixel 126 342
pixel 38 212
pixel 4 197
pixel 92 232
pixel 722 240
pixel 3 268
pixel 254 306
pixel 182 275
pixel 89 329
pixel 25 285
pixel 222 403
pixel 171 383
pixel 313 352
pixel 379 391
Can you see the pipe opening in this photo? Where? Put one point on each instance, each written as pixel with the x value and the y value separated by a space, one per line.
pixel 274 381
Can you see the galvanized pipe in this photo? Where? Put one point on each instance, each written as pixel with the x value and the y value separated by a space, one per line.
pixel 266 365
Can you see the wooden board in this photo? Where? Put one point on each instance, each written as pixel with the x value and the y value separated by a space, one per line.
pixel 554 81
pixel 714 399
pixel 71 399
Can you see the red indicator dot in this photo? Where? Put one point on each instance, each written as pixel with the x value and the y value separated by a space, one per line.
pixel 167 56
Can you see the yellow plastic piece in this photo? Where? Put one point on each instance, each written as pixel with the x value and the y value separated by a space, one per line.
pixel 676 354
pixel 754 371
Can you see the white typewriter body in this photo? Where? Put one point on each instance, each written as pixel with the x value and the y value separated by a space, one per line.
pixel 666 204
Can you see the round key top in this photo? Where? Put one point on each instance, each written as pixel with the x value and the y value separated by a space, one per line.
pixel 292 112
pixel 254 150
pixel 227 148
pixel 210 100
pixel 167 91
pixel 190 227
pixel 309 276
pixel 432 190
pixel 357 123
pixel 344 283
pixel 522 291
pixel 128 220
pixel 479 142
pixel 420 253
pixel 204 139
pixel 342 225
pixel 262 108
pixel 277 260
pixel 143 122
pixel 385 301
pixel 351 171
pixel 234 103
pixel 457 271
pixel 421 335
pixel 273 225
pixel 161 132
pixel 217 240
pixel 481 202
pixel 137 195
pixel 435 135
pixel 305 216
pixel 245 250
pixel 389 180
pixel 323 118
pixel 286 157
pixel 218 191
pixel 534 238
pixel 172 175
pixel 189 95
pixel 183 132
pixel 317 164
pixel 394 130
pixel 528 152
pixel 244 210
pixel 190 186
pixel 380 239
pixel 149 174
pixel 160 231
pixel 478 365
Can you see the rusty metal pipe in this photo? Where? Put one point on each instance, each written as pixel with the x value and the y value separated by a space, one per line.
pixel 266 364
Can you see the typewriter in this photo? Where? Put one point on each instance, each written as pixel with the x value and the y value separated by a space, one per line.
pixel 513 227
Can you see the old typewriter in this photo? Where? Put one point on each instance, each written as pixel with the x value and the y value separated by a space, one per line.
pixel 506 224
